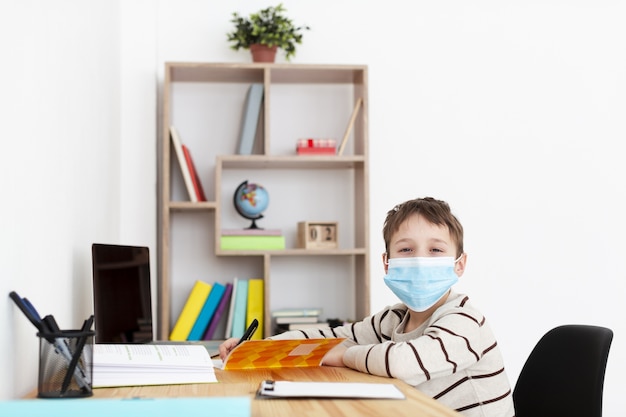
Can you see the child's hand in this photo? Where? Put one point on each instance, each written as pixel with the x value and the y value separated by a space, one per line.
pixel 335 356
pixel 227 346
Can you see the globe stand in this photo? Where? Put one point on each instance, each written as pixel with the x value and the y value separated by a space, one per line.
pixel 253 226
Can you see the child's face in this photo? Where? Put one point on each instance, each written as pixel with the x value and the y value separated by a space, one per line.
pixel 419 237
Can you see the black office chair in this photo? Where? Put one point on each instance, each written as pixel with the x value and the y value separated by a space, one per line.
pixel 564 374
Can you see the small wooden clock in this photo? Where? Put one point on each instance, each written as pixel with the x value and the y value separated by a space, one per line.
pixel 317 235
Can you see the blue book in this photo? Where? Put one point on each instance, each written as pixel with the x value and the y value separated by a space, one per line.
pixel 250 121
pixel 241 306
pixel 204 318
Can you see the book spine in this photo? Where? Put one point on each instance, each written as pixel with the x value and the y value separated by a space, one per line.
pixel 195 179
pixel 178 148
pixel 251 232
pixel 346 135
pixel 239 316
pixel 231 310
pixel 250 120
pixel 202 322
pixel 219 312
pixel 198 295
pixel 255 306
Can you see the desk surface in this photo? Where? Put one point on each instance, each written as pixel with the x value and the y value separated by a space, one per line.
pixel 246 383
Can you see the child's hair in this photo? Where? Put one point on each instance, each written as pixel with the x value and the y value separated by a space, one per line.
pixel 435 211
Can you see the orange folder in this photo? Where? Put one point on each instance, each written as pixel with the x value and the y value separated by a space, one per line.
pixel 257 354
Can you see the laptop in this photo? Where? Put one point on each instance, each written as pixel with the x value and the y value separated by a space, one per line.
pixel 122 295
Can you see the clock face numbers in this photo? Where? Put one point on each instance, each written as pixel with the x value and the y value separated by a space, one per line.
pixel 317 235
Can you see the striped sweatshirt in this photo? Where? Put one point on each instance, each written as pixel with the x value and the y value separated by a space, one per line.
pixel 453 357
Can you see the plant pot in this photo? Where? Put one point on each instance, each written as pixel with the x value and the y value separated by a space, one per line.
pixel 263 53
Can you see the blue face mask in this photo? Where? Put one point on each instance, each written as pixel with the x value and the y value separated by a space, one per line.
pixel 420 282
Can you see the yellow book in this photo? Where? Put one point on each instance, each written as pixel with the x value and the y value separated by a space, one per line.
pixel 297 353
pixel 255 306
pixel 192 308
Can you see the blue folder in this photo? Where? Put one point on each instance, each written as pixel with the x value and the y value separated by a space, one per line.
pixel 157 407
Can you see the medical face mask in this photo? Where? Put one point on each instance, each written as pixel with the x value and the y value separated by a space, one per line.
pixel 421 281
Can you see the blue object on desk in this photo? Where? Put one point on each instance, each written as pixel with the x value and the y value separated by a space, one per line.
pixel 157 407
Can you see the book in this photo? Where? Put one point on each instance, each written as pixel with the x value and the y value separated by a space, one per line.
pixel 119 365
pixel 156 407
pixel 182 162
pixel 258 354
pixel 207 312
pixel 195 179
pixel 252 232
pixel 241 305
pixel 255 307
pixel 250 120
pixel 212 346
pixel 252 242
pixel 302 389
pixel 231 310
pixel 197 296
pixel 297 312
pixel 300 319
pixel 346 135
pixel 219 312
pixel 316 147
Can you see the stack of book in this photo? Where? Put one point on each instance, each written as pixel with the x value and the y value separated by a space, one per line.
pixel 316 147
pixel 246 306
pixel 207 306
pixel 297 318
pixel 202 311
pixel 252 239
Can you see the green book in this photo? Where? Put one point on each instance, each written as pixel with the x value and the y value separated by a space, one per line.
pixel 252 242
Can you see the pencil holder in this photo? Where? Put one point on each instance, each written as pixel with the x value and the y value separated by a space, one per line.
pixel 65 364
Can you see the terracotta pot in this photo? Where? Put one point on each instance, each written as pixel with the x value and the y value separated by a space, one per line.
pixel 262 53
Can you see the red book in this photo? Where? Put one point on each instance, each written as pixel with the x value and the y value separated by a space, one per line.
pixel 197 185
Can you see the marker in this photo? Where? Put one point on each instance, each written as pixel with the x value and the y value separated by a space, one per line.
pixel 249 332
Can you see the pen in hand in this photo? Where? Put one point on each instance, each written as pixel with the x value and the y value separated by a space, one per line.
pixel 230 344
pixel 249 332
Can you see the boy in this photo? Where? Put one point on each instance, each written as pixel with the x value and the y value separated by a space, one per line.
pixel 434 340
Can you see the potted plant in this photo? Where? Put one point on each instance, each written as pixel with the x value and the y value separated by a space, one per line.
pixel 265 30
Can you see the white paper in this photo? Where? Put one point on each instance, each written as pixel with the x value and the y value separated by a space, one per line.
pixel 281 389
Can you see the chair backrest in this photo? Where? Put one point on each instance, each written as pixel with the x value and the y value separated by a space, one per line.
pixel 564 374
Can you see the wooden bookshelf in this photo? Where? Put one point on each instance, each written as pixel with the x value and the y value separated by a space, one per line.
pixel 205 101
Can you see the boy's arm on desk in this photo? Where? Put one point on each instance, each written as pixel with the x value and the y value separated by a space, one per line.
pixel 246 383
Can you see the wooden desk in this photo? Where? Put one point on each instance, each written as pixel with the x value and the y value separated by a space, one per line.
pixel 246 383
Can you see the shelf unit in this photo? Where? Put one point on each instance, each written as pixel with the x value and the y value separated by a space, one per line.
pixel 204 101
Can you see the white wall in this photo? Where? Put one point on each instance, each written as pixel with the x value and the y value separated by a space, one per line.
pixel 512 112
pixel 77 165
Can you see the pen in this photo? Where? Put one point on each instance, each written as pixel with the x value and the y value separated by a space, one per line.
pixel 80 345
pixel 48 328
pixel 61 345
pixel 249 332
pixel 29 311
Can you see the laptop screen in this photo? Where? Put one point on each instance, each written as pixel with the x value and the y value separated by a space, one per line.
pixel 121 291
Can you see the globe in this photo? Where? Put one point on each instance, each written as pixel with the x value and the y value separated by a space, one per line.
pixel 250 201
